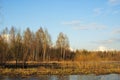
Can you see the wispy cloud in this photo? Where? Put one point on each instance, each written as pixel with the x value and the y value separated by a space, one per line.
pixel 114 2
pixel 105 11
pixel 117 31
pixel 110 9
pixel 98 11
pixel 108 41
pixel 77 25
pixel 74 22
pixel 90 26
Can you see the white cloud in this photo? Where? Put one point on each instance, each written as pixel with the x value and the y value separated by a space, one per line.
pixel 92 26
pixel 108 41
pixel 74 22
pixel 105 11
pixel 77 25
pixel 114 2
pixel 110 9
pixel 98 11
pixel 117 31
pixel 103 48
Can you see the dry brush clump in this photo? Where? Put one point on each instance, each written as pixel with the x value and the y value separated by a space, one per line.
pixel 84 55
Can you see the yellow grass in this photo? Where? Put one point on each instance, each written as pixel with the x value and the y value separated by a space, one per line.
pixel 67 68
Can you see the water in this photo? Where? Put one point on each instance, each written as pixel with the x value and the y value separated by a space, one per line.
pixel 65 77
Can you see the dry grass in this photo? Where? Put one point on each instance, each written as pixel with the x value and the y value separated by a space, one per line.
pixel 67 68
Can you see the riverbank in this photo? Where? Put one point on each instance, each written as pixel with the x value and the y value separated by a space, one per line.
pixel 66 68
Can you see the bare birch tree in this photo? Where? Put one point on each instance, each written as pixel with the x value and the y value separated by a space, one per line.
pixel 62 43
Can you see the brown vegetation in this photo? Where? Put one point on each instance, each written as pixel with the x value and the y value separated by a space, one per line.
pixel 66 68
pixel 84 55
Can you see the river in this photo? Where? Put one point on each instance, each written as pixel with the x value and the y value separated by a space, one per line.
pixel 65 77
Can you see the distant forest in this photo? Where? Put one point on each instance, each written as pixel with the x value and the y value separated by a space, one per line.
pixel 37 46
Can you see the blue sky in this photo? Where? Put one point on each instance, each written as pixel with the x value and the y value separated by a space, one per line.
pixel 89 24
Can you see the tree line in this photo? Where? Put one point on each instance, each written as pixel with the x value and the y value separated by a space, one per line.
pixel 38 46
pixel 33 46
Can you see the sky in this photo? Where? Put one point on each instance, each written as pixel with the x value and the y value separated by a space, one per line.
pixel 89 24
